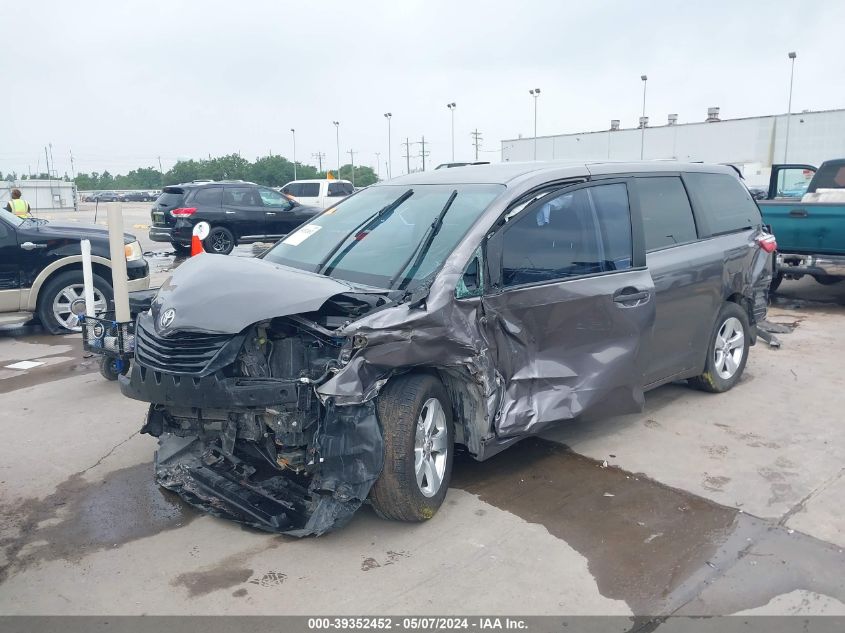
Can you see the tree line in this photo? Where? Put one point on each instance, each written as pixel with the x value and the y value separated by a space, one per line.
pixel 272 171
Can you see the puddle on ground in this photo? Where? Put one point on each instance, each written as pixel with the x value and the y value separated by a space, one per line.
pixel 84 516
pixel 641 539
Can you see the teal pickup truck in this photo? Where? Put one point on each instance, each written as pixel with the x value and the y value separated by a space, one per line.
pixel 805 208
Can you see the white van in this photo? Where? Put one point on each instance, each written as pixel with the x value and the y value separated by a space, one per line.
pixel 320 193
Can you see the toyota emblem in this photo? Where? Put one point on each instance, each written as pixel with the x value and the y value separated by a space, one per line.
pixel 167 317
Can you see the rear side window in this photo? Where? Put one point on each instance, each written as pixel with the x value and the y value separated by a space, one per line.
pixel 338 189
pixel 666 211
pixel 303 189
pixel 241 196
pixel 723 204
pixel 210 196
pixel 581 232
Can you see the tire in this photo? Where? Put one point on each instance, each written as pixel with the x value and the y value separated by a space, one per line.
pixel 220 241
pixel 59 292
pixel 777 278
pixel 723 370
pixel 109 370
pixel 180 250
pixel 398 493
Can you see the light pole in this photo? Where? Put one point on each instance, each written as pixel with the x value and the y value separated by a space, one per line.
pixel 293 132
pixel 642 119
pixel 378 168
pixel 452 107
pixel 337 138
pixel 534 93
pixel 388 116
pixel 792 56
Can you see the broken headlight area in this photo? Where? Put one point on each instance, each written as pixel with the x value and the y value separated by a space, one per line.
pixel 246 438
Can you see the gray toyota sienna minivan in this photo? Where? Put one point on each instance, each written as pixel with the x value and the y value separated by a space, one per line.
pixel 471 306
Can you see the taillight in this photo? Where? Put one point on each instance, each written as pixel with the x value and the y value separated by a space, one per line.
pixel 183 211
pixel 767 243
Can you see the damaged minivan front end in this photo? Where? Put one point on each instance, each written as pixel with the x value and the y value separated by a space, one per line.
pixel 243 432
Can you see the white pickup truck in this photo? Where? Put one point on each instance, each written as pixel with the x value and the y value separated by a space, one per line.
pixel 320 193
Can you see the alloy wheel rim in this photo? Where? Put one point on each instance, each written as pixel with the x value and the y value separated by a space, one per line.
pixel 431 448
pixel 729 348
pixel 63 301
pixel 219 241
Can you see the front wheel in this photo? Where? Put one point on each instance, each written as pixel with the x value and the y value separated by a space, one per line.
pixel 219 241
pixel 727 352
pixel 416 419
pixel 56 299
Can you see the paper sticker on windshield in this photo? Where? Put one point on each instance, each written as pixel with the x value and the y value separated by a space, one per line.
pixel 298 237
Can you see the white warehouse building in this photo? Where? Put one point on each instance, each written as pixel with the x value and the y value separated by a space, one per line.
pixel 752 143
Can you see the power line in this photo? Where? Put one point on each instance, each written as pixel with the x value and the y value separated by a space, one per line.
pixel 319 156
pixel 476 141
pixel 422 153
pixel 407 145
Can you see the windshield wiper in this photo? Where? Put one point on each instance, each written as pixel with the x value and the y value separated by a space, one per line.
pixel 379 216
pixel 419 253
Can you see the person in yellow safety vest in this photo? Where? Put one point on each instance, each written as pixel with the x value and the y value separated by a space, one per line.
pixel 17 205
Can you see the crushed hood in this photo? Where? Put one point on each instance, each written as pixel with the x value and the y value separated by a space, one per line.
pixel 224 294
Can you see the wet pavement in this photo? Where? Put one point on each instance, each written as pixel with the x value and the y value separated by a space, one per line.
pixel 700 505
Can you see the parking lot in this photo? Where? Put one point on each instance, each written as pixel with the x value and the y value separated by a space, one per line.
pixel 701 504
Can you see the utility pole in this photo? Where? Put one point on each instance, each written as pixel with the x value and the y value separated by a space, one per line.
pixel 352 162
pixel 476 141
pixel 536 94
pixel 72 170
pixel 423 153
pixel 47 160
pixel 319 156
pixel 160 170
pixel 407 145
pixel 378 166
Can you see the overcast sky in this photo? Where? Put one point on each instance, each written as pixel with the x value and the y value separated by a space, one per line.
pixel 120 83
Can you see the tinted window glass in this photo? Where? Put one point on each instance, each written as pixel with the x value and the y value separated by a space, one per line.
pixel 359 240
pixel 303 189
pixel 667 215
pixel 241 196
pixel 209 196
pixel 723 202
pixel 581 232
pixel 340 189
pixel 169 199
pixel 272 198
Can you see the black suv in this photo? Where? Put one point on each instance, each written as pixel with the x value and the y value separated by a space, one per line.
pixel 239 212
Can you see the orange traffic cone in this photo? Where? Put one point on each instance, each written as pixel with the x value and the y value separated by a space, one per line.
pixel 199 233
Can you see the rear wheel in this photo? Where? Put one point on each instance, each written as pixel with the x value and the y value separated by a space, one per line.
pixel 727 352
pixel 219 241
pixel 416 418
pixel 57 297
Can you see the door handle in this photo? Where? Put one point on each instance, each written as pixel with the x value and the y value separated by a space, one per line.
pixel 29 246
pixel 630 297
pixel 798 213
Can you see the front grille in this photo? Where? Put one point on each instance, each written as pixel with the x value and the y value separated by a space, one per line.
pixel 182 353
